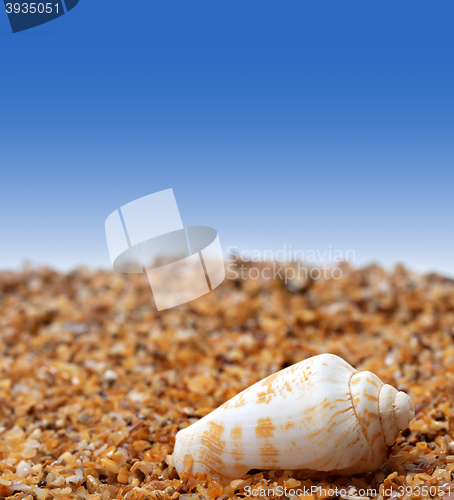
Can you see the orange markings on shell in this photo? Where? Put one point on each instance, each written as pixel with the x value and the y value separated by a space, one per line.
pixel 269 453
pixel 212 437
pixel 269 380
pixel 265 428
pixel 236 432
pixel 266 397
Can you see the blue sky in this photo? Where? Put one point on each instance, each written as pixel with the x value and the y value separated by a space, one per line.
pixel 278 123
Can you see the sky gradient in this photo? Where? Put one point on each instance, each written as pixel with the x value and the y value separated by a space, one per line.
pixel 277 123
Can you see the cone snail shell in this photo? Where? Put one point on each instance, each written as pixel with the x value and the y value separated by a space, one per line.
pixel 320 414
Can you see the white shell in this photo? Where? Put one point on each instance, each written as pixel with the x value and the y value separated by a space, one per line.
pixel 320 414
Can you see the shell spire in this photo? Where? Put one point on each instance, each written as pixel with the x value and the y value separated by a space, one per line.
pixel 320 415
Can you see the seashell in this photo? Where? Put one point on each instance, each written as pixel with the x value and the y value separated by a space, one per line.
pixel 319 415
